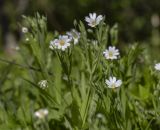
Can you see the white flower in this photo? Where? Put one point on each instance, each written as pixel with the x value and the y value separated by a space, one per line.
pixel 157 66
pixel 24 29
pixel 61 43
pixel 111 53
pixel 93 20
pixel 75 35
pixel 43 84
pixel 41 113
pixel 113 83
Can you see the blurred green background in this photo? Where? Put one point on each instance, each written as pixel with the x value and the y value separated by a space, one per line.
pixel 137 19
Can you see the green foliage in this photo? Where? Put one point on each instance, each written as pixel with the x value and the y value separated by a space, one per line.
pixel 77 97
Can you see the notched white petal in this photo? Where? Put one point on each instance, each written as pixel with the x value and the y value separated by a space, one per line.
pixel 93 20
pixel 113 82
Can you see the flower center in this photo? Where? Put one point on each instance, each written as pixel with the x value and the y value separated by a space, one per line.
pixel 110 54
pixel 113 86
pixel 62 42
pixel 94 22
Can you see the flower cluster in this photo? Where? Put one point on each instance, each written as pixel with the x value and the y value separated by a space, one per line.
pixel 64 41
pixel 111 54
pixel 43 84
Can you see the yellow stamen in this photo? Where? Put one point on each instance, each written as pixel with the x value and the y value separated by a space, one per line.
pixel 94 23
pixel 113 86
pixel 110 54
pixel 62 42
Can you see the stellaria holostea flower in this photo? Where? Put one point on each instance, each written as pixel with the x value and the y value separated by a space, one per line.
pixel 93 20
pixel 113 82
pixel 61 43
pixel 43 84
pixel 157 66
pixel 24 29
pixel 111 53
pixel 75 35
pixel 41 113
